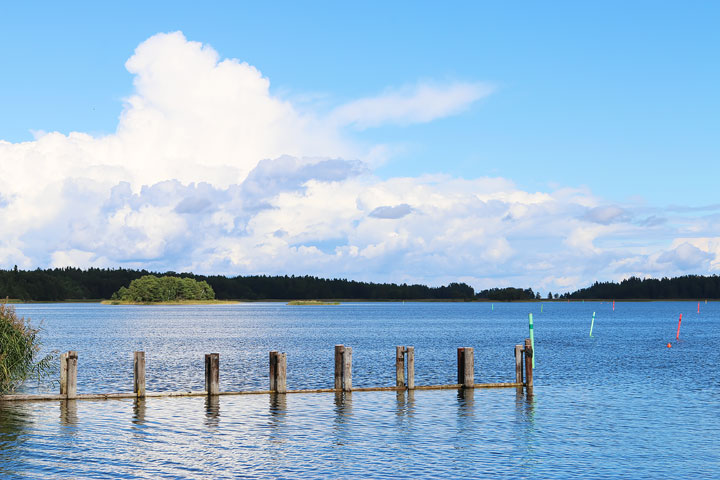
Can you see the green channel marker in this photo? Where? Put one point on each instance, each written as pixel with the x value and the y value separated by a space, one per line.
pixel 532 340
pixel 541 305
pixel 492 307
pixel 592 323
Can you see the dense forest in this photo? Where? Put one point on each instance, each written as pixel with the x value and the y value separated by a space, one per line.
pixel 507 294
pixel 688 286
pixel 96 283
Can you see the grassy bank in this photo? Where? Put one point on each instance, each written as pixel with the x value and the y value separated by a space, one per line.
pixel 175 302
pixel 311 302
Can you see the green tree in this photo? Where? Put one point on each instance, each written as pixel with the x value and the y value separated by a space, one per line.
pixel 149 288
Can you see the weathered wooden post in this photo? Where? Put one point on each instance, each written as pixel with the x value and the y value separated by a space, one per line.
pixel 460 365
pixel 63 373
pixel 410 367
pixel 212 373
pixel 518 364
pixel 273 371
pixel 528 364
pixel 399 366
pixel 71 387
pixel 339 352
pixel 468 368
pixel 281 373
pixel 139 373
pixel 347 369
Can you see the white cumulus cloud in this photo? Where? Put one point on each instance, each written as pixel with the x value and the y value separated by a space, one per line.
pixel 208 171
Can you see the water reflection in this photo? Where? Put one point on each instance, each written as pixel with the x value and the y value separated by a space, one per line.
pixel 404 411
pixel 138 418
pixel 278 408
pixel 343 414
pixel 139 405
pixel 14 424
pixel 525 419
pixel 69 415
pixel 212 411
pixel 466 402
pixel 405 403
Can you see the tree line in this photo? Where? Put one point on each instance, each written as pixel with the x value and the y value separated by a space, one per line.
pixel 684 287
pixel 68 283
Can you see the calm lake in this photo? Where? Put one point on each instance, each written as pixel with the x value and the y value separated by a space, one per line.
pixel 619 404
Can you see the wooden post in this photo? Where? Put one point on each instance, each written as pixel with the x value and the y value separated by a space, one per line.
pixel 518 364
pixel 410 368
pixel 281 373
pixel 273 370
pixel 339 352
pixel 399 366
pixel 347 369
pixel 468 368
pixel 63 373
pixel 528 364
pixel 212 373
pixel 71 360
pixel 139 373
pixel 460 365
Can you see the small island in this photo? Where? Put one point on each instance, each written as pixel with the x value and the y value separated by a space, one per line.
pixel 152 290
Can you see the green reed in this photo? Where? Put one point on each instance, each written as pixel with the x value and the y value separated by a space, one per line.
pixel 20 357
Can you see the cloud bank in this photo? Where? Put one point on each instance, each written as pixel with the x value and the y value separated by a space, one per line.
pixel 209 172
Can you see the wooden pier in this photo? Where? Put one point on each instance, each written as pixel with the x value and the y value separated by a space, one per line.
pixel 404 376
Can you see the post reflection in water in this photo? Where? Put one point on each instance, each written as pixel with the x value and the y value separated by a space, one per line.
pixel 525 419
pixel 68 414
pixel 212 410
pixel 139 405
pixel 138 418
pixel 405 403
pixel 404 412
pixel 466 402
pixel 343 414
pixel 278 408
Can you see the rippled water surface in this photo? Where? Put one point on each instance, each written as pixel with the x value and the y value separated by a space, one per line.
pixel 617 405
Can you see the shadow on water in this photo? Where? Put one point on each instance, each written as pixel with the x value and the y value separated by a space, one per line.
pixel 212 411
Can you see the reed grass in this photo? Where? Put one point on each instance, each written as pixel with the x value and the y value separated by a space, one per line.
pixel 312 302
pixel 20 351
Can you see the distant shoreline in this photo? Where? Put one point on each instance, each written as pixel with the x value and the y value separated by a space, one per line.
pixel 357 300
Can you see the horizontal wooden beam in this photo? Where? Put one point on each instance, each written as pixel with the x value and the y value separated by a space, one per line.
pixel 108 396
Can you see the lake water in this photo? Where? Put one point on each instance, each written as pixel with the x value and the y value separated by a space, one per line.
pixel 617 405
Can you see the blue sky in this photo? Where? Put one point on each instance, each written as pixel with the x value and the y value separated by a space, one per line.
pixel 615 100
